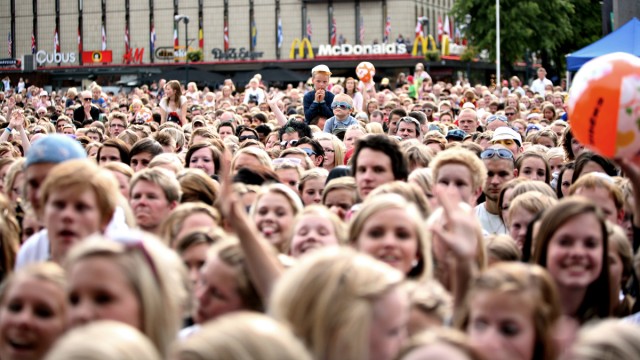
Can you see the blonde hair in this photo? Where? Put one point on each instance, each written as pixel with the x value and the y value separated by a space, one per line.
pixel 242 336
pixel 174 222
pixel 328 299
pixel 463 157
pixel 342 183
pixel 257 153
pixel 118 341
pixel 501 248
pixel 424 268
pixel 431 298
pixel 423 178
pixel 409 191
pixel 16 168
pixel 169 161
pixel 338 147
pixel 533 202
pixel 156 275
pixel 441 336
pixel 319 211
pixel 608 339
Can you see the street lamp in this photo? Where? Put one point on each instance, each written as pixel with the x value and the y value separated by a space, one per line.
pixel 185 19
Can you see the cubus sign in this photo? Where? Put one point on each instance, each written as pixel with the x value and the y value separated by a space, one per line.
pixel 301 45
pixel 377 49
pixel 43 57
pixel 133 56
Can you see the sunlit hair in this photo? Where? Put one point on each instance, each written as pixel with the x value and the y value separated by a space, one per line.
pixel 431 299
pixel 168 161
pixel 534 287
pixel 594 181
pixel 424 267
pixel 440 336
pixel 83 175
pixel 9 242
pixel 118 341
pixel 174 222
pixel 154 272
pixel 463 157
pixel 594 304
pixel 342 183
pixel 423 178
pixel 197 186
pixel 410 192
pixel 121 146
pixel 244 336
pixel 319 211
pixel 522 187
pixel 175 86
pixel 161 177
pixel 338 147
pixel 328 299
pixel 608 339
pixel 419 156
pixel 261 155
pixel 532 154
pixel 501 248
pixel 15 169
pixel 312 174
pixel 532 202
pixel 45 271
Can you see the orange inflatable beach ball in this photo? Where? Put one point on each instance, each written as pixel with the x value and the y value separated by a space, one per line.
pixel 604 105
pixel 365 71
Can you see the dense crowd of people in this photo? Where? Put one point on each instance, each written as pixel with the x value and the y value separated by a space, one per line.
pixel 333 220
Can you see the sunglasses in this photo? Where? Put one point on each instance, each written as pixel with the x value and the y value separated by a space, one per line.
pixel 279 161
pixel 292 142
pixel 510 114
pixel 501 153
pixel 247 137
pixel 493 118
pixel 87 99
pixel 341 105
pixel 308 151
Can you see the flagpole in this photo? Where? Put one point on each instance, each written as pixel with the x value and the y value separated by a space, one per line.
pixel 498 43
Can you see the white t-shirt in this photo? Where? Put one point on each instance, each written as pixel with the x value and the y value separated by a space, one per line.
pixel 491 223
pixel 538 85
pixel 164 105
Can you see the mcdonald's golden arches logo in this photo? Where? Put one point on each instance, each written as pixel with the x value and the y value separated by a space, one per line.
pixel 300 44
pixel 424 42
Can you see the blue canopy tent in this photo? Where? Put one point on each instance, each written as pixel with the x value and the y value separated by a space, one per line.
pixel 625 39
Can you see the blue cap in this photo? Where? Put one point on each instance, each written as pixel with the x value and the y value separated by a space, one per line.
pixel 54 149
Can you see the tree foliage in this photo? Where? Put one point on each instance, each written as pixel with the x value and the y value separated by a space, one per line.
pixel 552 28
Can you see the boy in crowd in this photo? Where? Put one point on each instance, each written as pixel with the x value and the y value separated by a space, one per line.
pixel 318 102
pixel 342 119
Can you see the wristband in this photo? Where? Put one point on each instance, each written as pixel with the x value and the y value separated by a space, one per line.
pixel 8 129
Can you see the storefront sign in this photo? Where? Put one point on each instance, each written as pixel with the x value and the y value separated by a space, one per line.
pixel 347 49
pixel 232 54
pixel 9 63
pixel 133 56
pixel 43 57
pixel 97 57
pixel 301 44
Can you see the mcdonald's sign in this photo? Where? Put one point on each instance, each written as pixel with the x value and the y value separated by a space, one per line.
pixel 424 43
pixel 301 45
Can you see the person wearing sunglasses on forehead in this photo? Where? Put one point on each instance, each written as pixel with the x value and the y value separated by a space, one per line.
pixel 500 165
pixel 87 110
pixel 341 119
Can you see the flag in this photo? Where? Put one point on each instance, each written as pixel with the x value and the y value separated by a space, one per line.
pixel 226 35
pixel 10 44
pixel 334 31
pixel 200 33
pixel 127 47
pixel 458 35
pixel 104 38
pixel 452 28
pixel 254 34
pixel 56 42
pixel 280 35
pixel 361 32
pixel 309 31
pixel 439 29
pixel 152 39
pixel 387 30
pixel 176 42
pixel 79 42
pixel 419 31
pixel 446 30
pixel 33 43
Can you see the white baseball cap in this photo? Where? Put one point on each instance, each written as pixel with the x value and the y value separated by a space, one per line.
pixel 506 133
pixel 320 68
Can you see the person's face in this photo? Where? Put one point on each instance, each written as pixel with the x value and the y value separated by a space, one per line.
pixel 32 316
pixel 558 129
pixel 195 221
pixel 312 232
pixel 59 125
pixel 339 202
pixel 289 136
pixel 604 200
pixel 393 124
pixel 273 216
pixel 566 182
pixel 108 154
pixel 446 119
pixel 574 256
pixel 312 193
pixel 518 223
pixel 116 127
pixel 377 118
pixel 556 164
pixel 203 159
pixel 150 205
pixel 93 136
pixel 290 178
pixel 217 292
pixel 510 144
pixel 100 290
pixel 70 216
pixel 591 167
pixel 35 176
pixel 15 193
pixel 407 130
pixel 499 171
pixel 371 107
pixel 467 122
pixel 95 93
pixel 194 258
pixel 374 169
pixel 548 114
pixel 389 325
pixel 576 147
pixel 123 183
pixel 225 131
pixel 501 326
pixel 533 168
pixel 168 91
pixel 272 142
pixel 320 81
pixel 350 137
pixel 245 160
pixel 141 161
pixel 459 177
pixel 391 237
pixel 541 74
pixel 329 153
pixel 615 267
pixel 546 141
pixel 557 103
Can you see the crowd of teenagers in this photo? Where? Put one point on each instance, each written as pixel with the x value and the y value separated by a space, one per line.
pixel 412 219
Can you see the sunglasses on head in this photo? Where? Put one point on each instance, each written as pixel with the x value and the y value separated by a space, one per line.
pixel 308 151
pixel 341 105
pixel 247 137
pixel 501 153
pixel 493 118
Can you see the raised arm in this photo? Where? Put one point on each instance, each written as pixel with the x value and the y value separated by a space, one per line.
pixel 273 101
